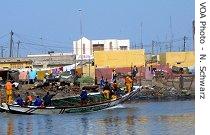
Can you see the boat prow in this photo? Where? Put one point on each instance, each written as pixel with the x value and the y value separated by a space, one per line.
pixel 4 107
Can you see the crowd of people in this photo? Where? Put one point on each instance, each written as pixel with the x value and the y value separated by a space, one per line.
pixel 46 101
pixel 111 89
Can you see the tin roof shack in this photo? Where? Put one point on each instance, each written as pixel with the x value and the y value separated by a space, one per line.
pixel 178 59
pixel 9 74
pixel 52 60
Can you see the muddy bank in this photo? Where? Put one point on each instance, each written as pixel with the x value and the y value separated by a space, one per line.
pixel 151 89
pixel 166 89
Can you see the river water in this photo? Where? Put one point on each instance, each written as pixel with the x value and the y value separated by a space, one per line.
pixel 133 118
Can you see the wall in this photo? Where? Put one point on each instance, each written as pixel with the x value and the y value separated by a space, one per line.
pixel 116 44
pixel 77 46
pixel 86 70
pixel 119 58
pixel 179 59
pixel 15 63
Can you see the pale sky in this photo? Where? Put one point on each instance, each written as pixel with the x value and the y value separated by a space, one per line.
pixel 45 25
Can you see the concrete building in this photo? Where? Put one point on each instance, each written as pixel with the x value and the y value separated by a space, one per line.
pixel 119 58
pixel 179 59
pixel 89 46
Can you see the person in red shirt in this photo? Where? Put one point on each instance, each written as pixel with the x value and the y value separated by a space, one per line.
pixel 28 99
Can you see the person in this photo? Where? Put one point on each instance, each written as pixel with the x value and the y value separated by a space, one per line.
pixel 83 96
pixel 38 101
pixel 128 83
pixel 8 88
pixel 102 82
pixel 76 78
pixel 19 100
pixel 96 81
pixel 28 99
pixel 106 90
pixel 116 89
pixel 32 76
pixel 134 71
pixel 47 99
pixel 181 82
pixel 114 75
pixel 16 84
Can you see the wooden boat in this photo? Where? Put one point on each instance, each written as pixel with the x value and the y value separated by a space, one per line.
pixel 72 109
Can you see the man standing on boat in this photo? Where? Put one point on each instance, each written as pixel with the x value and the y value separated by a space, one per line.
pixel 8 88
pixel 107 90
pixel 47 99
pixel 128 83
pixel 83 96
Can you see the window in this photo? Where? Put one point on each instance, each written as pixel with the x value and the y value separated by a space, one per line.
pixel 83 47
pixel 91 49
pixel 98 47
pixel 123 47
pixel 110 46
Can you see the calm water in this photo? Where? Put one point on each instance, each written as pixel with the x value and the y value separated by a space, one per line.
pixel 145 118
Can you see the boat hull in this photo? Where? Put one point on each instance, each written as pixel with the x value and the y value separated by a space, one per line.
pixel 71 109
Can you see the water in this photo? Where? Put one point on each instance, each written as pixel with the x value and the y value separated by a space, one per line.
pixel 136 117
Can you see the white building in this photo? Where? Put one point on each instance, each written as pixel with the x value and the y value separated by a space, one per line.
pixel 86 47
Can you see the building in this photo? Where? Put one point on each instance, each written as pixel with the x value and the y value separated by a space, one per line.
pixel 52 60
pixel 90 46
pixel 15 63
pixel 38 61
pixel 179 59
pixel 119 58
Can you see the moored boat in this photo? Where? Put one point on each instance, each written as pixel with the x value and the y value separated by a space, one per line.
pixel 74 108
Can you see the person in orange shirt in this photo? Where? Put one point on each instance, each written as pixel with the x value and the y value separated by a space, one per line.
pixel 128 83
pixel 8 88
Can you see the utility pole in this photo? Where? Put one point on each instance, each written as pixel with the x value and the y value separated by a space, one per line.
pixel 141 36
pixel 11 41
pixel 18 47
pixel 81 35
pixel 193 31
pixel 184 47
pixel 171 33
pixel 153 44
pixel 2 51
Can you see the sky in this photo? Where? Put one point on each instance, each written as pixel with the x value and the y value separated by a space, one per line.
pixel 53 25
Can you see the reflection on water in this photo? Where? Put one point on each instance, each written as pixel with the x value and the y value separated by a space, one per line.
pixel 10 127
pixel 148 118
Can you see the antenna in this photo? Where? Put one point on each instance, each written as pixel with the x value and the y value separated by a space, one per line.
pixel 10 45
pixel 166 44
pixel 171 34
pixel 141 36
pixel 193 32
